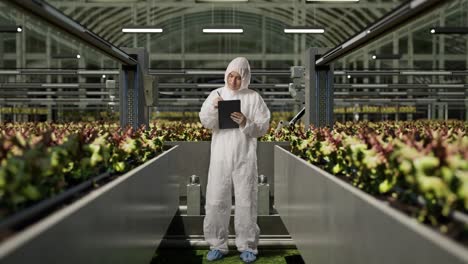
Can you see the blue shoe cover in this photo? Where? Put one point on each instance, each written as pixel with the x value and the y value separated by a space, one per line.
pixel 248 257
pixel 214 255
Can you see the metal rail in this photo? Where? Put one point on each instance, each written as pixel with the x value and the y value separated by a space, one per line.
pixel 396 18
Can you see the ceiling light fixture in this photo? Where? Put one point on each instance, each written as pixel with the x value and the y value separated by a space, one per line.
pixel 304 30
pixel 449 30
pixel 142 30
pixel 223 30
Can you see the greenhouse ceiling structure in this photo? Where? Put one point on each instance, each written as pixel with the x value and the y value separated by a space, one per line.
pixel 417 69
pixel 254 131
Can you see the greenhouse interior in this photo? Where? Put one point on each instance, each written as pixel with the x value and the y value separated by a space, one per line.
pixel 234 131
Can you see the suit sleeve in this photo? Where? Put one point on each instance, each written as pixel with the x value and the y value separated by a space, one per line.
pixel 259 124
pixel 208 113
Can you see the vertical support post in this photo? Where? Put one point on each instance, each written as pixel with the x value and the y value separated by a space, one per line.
pixel 81 79
pixel 58 104
pixel 263 196
pixel 194 196
pixel 365 116
pixel 318 92
pixel 442 111
pixel 396 50
pixel 410 79
pixel 133 109
pixel 433 111
pixel 49 77
pixel 20 63
pixel 264 41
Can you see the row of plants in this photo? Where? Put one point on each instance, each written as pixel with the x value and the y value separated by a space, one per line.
pixel 184 131
pixel 38 161
pixel 41 160
pixel 420 167
pixel 420 164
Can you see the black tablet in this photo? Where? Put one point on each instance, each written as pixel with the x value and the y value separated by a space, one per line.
pixel 225 108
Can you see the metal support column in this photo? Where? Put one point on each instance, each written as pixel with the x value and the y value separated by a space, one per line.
pixel 133 109
pixel 263 196
pixel 49 66
pixel 194 196
pixel 318 91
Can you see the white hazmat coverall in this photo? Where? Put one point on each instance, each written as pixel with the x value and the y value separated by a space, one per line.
pixel 234 161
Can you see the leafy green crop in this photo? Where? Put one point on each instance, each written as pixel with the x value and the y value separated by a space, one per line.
pixel 423 163
pixel 38 161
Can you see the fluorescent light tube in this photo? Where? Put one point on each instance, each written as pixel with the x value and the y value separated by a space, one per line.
pixel 304 30
pixel 223 30
pixel 142 30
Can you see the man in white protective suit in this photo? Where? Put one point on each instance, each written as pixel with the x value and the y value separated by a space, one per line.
pixel 233 161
